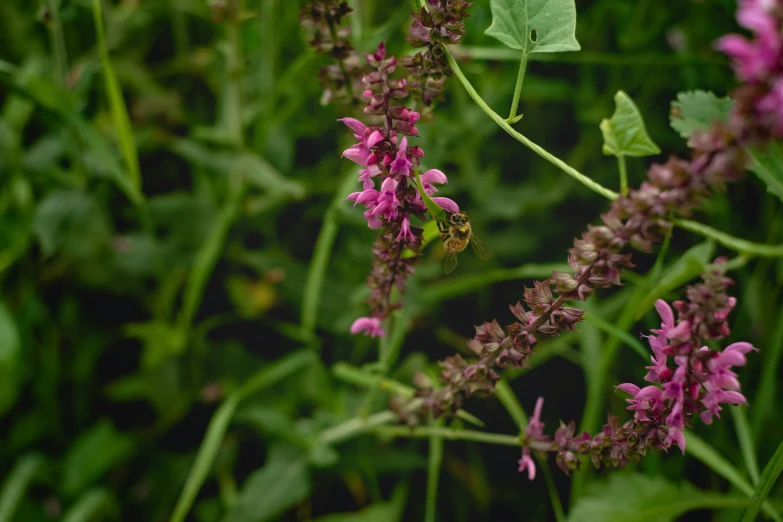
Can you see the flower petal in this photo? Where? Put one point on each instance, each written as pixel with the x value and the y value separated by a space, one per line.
pixel 446 204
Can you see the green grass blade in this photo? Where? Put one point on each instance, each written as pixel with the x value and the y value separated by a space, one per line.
pixel 742 427
pixel 218 425
pixel 119 112
pixel 709 456
pixel 16 484
pixel 434 461
pixel 771 473
pixel 90 506
pixel 323 251
pixel 767 391
pixel 208 254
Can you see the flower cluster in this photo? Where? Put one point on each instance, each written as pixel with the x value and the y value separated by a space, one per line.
pixel 699 382
pixel 340 80
pixel 383 152
pixel 439 25
pixel 758 63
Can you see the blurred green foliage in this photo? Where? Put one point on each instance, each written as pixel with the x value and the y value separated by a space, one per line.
pixel 162 191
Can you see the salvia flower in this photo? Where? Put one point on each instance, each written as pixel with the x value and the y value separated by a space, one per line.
pixel 438 24
pixel 758 63
pixel 340 80
pixel 389 194
pixel 699 381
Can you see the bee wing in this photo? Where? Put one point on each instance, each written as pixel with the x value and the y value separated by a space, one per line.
pixel 451 261
pixel 481 249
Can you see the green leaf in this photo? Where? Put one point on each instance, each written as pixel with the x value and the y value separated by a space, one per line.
pixel 692 263
pixel 535 26
pixel 68 218
pixel 768 478
pixel 767 164
pixel 94 453
pixel 9 357
pixel 91 505
pixel 624 133
pixel 268 492
pixel 633 497
pixel 697 110
pixel 218 424
pixel 379 512
pixel 16 482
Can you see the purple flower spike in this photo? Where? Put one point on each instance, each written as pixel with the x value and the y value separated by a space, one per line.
pixel 384 153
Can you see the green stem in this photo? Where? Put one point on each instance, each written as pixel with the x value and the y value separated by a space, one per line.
pixel 623 175
pixel 357 425
pixel 512 116
pixel 589 183
pixel 506 54
pixel 321 254
pixel 350 374
pixel 738 245
pixel 433 474
pixel 506 396
pixel 424 432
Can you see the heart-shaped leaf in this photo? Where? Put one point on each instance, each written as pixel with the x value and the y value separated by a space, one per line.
pixel 535 26
pixel 624 133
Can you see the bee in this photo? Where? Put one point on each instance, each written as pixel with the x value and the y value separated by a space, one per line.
pixel 456 233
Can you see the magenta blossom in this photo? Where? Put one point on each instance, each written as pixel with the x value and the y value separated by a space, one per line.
pixel 384 153
pixel 702 379
pixel 368 326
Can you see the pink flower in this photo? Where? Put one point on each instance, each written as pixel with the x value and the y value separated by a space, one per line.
pixel 368 137
pixel 526 463
pixel 643 400
pixel 366 175
pixel 369 326
pixel 755 59
pixel 446 204
pixel 405 235
pixel 676 436
pixel 430 177
pixel 400 164
pixel 535 428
